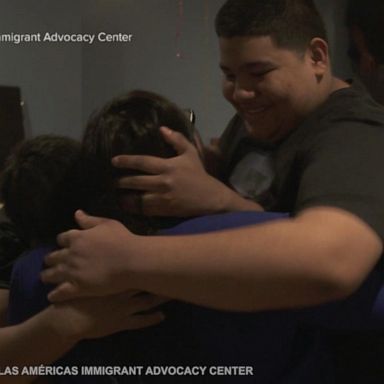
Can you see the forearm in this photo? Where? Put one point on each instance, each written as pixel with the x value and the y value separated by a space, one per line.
pixel 3 306
pixel 224 199
pixel 283 264
pixel 236 202
pixel 36 341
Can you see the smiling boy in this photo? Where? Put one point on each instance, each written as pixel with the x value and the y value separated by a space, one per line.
pixel 325 141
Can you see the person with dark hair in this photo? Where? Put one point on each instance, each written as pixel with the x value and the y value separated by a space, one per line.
pixel 43 182
pixel 39 191
pixel 267 342
pixel 275 19
pixel 323 139
pixel 36 187
pixel 129 124
pixel 33 188
pixel 313 125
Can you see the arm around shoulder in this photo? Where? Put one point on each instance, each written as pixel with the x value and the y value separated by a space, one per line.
pixel 322 255
pixel 38 340
pixel 319 256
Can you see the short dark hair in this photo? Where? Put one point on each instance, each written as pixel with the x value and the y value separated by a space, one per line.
pixel 368 16
pixel 128 124
pixel 36 187
pixel 291 24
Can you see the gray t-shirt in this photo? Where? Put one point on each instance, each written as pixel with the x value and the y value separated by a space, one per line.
pixel 333 158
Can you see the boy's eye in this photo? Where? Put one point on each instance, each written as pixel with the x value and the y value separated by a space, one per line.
pixel 261 73
pixel 229 77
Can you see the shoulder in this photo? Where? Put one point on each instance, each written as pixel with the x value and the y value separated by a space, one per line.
pixel 347 119
pixel 28 295
pixel 349 107
pixel 11 247
pixel 27 268
pixel 34 257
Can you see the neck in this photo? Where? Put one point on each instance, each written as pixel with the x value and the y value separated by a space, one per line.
pixel 337 84
pixel 332 85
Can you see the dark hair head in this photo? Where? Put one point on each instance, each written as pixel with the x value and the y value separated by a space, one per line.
pixel 291 24
pixel 127 125
pixel 130 124
pixel 368 16
pixel 37 187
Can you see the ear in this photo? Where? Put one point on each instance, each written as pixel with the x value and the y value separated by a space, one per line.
pixel 318 53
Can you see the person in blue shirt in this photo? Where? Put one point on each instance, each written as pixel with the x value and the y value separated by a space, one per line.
pixel 38 176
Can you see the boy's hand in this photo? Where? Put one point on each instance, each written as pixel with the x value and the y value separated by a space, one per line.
pixel 178 186
pixel 83 267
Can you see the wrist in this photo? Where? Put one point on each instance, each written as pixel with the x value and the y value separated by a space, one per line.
pixel 223 199
pixel 136 253
pixel 237 202
pixel 61 327
pixel 148 263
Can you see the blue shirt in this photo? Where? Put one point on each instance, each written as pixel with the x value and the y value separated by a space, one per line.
pixel 280 346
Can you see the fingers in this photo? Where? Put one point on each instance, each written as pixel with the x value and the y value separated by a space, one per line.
pixel 53 275
pixel 214 147
pixel 150 204
pixel 142 183
pixel 132 204
pixel 178 141
pixel 144 321
pixel 65 291
pixel 64 239
pixel 151 164
pixel 147 164
pixel 86 221
pixel 56 257
pixel 57 273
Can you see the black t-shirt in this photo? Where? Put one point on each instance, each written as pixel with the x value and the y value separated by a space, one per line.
pixel 11 247
pixel 333 158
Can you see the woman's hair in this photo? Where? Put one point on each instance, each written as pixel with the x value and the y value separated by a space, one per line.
pixel 127 125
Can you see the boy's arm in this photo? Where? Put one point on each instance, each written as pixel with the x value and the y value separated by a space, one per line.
pixel 4 293
pixel 321 255
pixel 31 343
pixel 179 186
pixel 47 336
pixel 38 340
